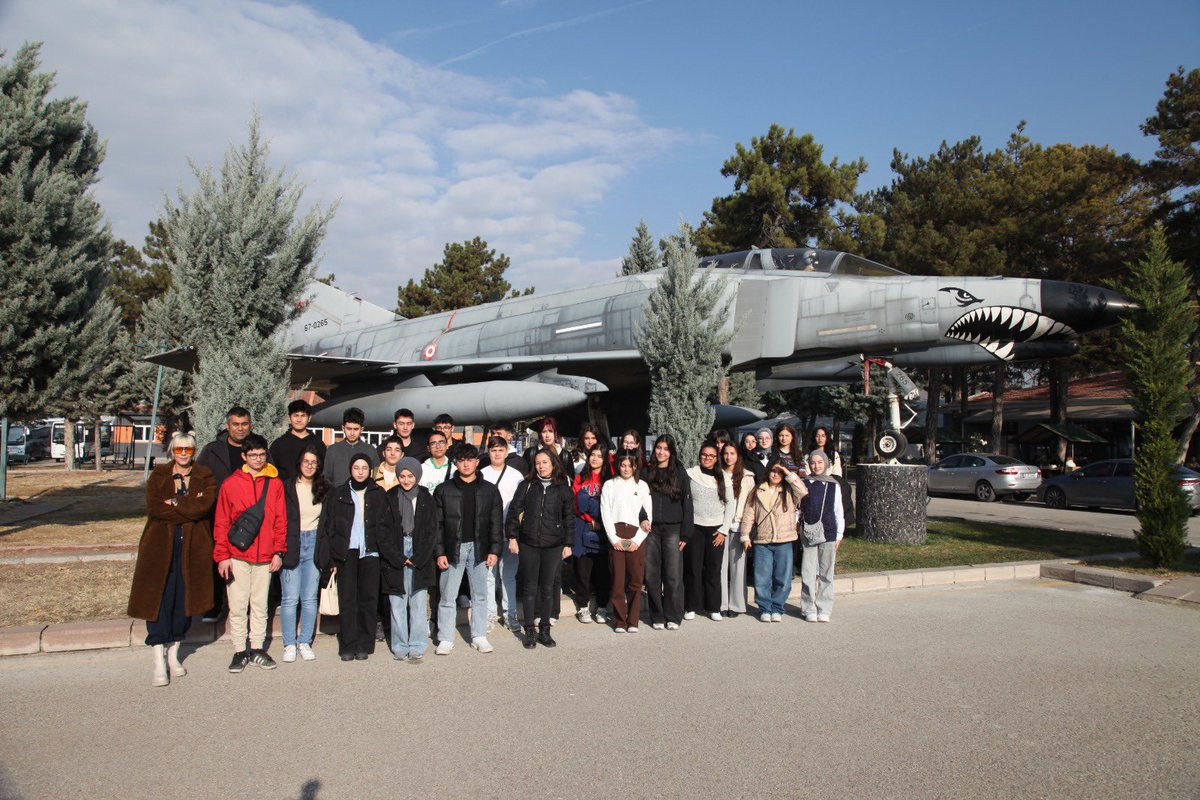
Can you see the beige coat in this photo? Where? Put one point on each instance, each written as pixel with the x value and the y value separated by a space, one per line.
pixel 765 520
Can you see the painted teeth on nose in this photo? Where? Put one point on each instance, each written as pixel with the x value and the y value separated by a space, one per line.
pixel 1005 352
pixel 1006 316
pixel 1029 321
pixel 1043 326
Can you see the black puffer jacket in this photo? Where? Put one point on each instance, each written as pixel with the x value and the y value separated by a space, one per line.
pixel 489 510
pixel 337 518
pixel 424 540
pixel 549 515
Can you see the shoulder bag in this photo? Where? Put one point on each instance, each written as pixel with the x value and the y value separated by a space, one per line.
pixel 814 532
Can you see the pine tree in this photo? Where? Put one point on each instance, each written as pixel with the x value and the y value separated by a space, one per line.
pixel 1154 347
pixel 469 274
pixel 53 245
pixel 742 390
pixel 642 255
pixel 240 259
pixel 683 342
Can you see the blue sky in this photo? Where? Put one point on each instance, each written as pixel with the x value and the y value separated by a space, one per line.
pixel 551 127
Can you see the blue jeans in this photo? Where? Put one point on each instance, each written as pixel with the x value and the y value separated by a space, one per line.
pixel 450 580
pixel 299 587
pixel 410 609
pixel 772 576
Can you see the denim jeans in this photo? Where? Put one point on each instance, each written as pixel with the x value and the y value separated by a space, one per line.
pixel 449 582
pixel 508 584
pixel 410 619
pixel 298 587
pixel 772 576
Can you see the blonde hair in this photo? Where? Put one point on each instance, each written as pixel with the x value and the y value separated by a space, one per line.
pixel 182 439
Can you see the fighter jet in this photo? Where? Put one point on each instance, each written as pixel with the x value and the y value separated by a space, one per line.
pixel 799 317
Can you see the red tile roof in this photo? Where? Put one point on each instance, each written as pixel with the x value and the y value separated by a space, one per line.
pixel 1103 386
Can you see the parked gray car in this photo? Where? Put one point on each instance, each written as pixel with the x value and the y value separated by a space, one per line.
pixel 1109 484
pixel 985 475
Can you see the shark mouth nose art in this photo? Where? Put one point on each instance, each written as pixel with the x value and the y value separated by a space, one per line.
pixel 997 329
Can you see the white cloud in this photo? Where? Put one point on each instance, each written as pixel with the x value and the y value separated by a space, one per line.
pixel 417 156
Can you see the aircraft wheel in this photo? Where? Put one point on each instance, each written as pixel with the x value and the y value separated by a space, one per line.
pixel 891 444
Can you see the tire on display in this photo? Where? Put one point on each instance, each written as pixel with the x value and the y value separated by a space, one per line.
pixel 891 444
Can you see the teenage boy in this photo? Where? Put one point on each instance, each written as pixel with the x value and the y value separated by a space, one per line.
pixel 413 445
pixel 337 457
pixel 506 432
pixel 444 424
pixel 438 468
pixel 247 573
pixel 468 513
pixel 285 451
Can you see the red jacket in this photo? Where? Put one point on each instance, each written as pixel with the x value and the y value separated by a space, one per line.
pixel 239 492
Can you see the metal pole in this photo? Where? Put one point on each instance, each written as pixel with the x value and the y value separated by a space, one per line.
pixel 153 426
pixel 4 458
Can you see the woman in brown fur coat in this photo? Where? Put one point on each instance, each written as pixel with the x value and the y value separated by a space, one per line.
pixel 172 579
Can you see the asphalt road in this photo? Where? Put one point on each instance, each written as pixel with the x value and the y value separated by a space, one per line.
pixel 1037 515
pixel 1024 689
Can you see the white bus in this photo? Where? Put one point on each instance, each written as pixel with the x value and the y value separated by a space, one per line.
pixel 84 439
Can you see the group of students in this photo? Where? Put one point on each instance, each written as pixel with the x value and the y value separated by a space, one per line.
pixel 400 528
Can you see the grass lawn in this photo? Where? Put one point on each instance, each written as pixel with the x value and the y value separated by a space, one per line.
pixel 105 508
pixel 953 544
pixel 50 593
pixel 1189 565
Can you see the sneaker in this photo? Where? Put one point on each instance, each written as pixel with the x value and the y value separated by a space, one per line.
pixel 443 648
pixel 658 626
pixel 776 617
pixel 812 618
pixel 672 626
pixel 715 616
pixel 823 618
pixel 689 615
pixel 306 652
pixel 553 621
pixel 259 658
pixel 600 617
pixel 240 660
pixel 632 629
pixel 289 653
pixel 545 639
pixel 379 637
pixel 514 624
pixel 584 616
pixel 400 656
pixel 415 658
pixel 764 616
pixel 481 644
pixel 618 630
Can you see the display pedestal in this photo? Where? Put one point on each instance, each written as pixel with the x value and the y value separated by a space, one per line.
pixel 891 503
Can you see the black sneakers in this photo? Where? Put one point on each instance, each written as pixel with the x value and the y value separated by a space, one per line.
pixel 240 660
pixel 259 658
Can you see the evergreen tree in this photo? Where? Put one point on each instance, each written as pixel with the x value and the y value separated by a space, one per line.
pixel 1176 165
pixel 683 342
pixel 469 274
pixel 240 259
pixel 132 282
pixel 642 255
pixel 53 245
pixel 743 392
pixel 1155 350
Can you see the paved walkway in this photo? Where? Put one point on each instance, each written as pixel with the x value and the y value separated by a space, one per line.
pixel 1020 689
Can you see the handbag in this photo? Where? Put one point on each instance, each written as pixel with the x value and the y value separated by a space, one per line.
pixel 244 529
pixel 814 532
pixel 328 606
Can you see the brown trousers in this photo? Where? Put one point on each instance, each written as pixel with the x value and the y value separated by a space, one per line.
pixel 627 603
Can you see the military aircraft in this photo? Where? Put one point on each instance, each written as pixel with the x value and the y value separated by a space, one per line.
pixel 799 317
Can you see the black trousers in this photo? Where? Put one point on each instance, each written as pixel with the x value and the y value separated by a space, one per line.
pixel 664 568
pixel 172 623
pixel 712 560
pixel 693 568
pixel 537 568
pixel 358 596
pixel 592 579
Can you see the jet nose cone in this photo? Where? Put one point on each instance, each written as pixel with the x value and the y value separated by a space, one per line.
pixel 1084 308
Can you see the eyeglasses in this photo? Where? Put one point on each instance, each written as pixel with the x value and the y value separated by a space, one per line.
pixel 707 456
pixel 183 451
pixel 256 456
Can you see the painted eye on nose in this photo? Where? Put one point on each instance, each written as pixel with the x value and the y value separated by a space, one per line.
pixel 961 296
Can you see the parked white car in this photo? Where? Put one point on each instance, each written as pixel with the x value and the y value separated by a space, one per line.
pixel 985 475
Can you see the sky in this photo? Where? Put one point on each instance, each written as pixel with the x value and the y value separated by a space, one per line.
pixel 550 128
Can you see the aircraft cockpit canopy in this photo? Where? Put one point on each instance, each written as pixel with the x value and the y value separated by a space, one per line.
pixel 826 262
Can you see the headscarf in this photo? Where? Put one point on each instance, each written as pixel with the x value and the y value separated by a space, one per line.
pixel 358 486
pixel 408 518
pixel 824 475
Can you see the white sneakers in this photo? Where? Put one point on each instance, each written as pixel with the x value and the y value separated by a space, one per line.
pixel 658 626
pixel 776 617
pixel 289 653
pixel 689 615
pixel 672 626
pixel 764 617
pixel 715 616
pixel 618 630
pixel 823 618
pixel 584 616
pixel 632 629
pixel 481 644
pixel 306 652
pixel 443 648
pixel 177 670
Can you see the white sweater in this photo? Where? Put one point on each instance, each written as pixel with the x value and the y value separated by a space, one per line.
pixel 623 500
pixel 707 509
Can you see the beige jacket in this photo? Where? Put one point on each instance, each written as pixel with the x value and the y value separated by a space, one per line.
pixel 765 521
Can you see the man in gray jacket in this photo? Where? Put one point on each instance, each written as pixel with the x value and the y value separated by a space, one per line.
pixel 337 457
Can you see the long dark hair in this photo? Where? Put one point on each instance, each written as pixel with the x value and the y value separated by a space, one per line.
pixel 829 446
pixel 587 427
pixel 709 444
pixel 738 472
pixel 585 473
pixel 633 463
pixel 665 480
pixel 557 473
pixel 796 454
pixel 783 487
pixel 639 454
pixel 320 484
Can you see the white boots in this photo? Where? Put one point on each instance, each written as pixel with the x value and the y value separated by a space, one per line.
pixel 166 656
pixel 160 665
pixel 177 670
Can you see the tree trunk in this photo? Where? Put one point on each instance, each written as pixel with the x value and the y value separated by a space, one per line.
pixel 932 407
pixel 999 386
pixel 723 391
pixel 69 443
pixel 96 447
pixel 1058 404
pixel 1189 430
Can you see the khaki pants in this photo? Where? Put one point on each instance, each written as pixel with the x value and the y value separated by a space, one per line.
pixel 248 588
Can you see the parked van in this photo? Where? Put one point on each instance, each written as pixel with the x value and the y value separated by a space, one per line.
pixel 28 443
pixel 84 436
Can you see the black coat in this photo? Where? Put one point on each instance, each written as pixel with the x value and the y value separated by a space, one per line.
pixel 337 518
pixel 424 537
pixel 291 503
pixel 489 510
pixel 542 516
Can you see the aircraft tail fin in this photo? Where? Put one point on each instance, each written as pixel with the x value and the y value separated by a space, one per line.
pixel 327 310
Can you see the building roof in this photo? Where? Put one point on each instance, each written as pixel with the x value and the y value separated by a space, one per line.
pixel 1104 386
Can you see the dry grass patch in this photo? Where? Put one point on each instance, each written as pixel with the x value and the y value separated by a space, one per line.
pixel 1188 565
pixel 52 593
pixel 105 508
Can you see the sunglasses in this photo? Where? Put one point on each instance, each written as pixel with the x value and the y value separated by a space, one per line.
pixel 183 451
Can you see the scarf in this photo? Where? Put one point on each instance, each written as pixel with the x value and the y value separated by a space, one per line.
pixel 408 516
pixel 358 486
pixel 824 476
